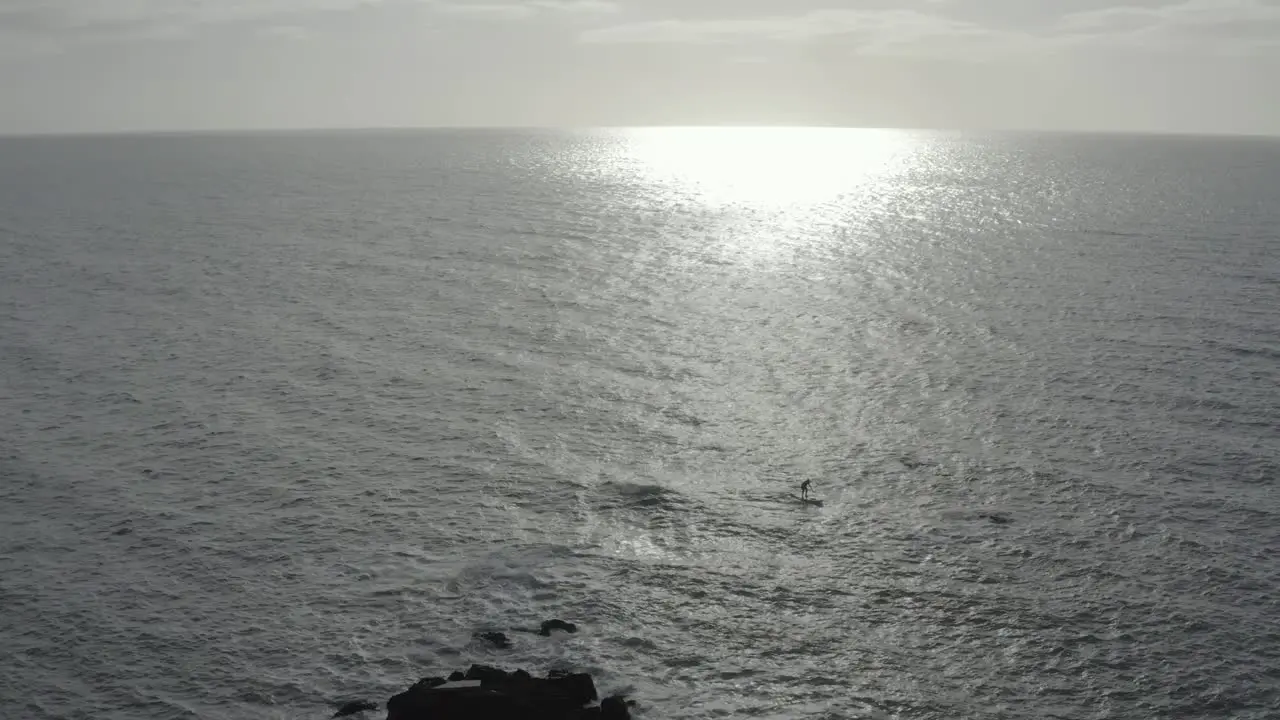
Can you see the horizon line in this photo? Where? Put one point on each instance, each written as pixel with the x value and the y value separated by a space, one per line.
pixel 354 129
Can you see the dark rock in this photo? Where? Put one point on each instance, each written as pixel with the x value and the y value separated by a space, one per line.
pixel 485 674
pixel 578 686
pixel 496 639
pixel 457 675
pixel 997 519
pixel 550 625
pixel 123 531
pixel 492 694
pixel 614 708
pixel 352 708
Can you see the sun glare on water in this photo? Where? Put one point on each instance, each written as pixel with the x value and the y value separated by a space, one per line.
pixel 774 168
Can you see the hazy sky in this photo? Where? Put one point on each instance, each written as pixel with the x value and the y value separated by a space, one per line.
pixel 1192 65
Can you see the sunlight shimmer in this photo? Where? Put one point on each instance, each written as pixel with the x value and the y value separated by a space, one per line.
pixel 771 168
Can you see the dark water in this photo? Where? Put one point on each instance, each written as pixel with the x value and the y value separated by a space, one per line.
pixel 285 419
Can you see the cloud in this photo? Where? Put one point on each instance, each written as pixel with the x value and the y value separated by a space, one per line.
pixel 1191 13
pixel 1214 25
pixel 123 19
pixel 935 28
pixel 287 32
pixel 487 11
pixel 578 6
pixel 50 20
pixel 523 10
pixel 815 24
pixel 72 14
pixel 871 31
pixel 1195 25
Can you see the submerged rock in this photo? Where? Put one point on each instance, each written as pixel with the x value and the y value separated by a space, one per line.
pixel 550 625
pixel 496 639
pixel 489 693
pixel 352 708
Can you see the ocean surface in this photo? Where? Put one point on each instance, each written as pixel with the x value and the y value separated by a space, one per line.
pixel 286 418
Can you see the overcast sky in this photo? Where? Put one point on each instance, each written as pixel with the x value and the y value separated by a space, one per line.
pixel 1158 65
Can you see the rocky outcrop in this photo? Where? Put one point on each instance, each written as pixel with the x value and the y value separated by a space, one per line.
pixel 488 693
pixel 496 639
pixel 550 625
pixel 352 708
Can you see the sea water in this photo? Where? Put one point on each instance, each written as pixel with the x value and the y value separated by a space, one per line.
pixel 285 419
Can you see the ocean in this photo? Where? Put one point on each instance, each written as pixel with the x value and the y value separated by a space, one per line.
pixel 285 419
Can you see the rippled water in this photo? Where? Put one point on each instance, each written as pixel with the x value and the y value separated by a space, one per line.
pixel 285 419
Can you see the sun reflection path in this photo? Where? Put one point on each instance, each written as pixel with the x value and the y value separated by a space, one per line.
pixel 767 168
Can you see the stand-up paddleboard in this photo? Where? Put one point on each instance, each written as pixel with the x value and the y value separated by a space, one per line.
pixel 789 498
